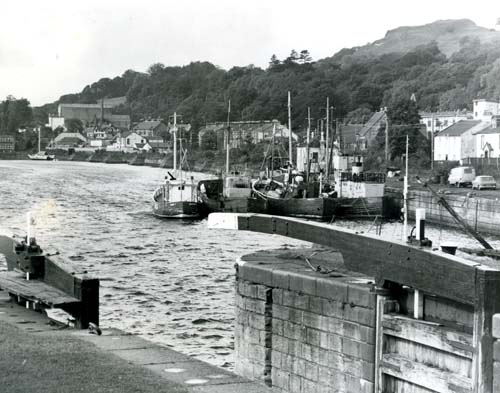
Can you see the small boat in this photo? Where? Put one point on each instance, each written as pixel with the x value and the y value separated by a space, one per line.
pixel 41 155
pixel 177 197
pixel 231 191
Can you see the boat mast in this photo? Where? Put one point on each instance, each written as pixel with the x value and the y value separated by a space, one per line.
pixel 405 195
pixel 174 130
pixel 272 151
pixel 39 139
pixel 327 138
pixel 228 136
pixel 290 156
pixel 308 165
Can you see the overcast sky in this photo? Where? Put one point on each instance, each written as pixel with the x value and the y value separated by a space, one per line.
pixel 49 48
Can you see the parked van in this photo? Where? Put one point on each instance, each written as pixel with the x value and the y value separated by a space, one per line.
pixel 462 176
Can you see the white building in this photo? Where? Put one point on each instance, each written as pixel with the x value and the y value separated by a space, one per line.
pixel 129 142
pixel 484 110
pixel 55 122
pixel 438 121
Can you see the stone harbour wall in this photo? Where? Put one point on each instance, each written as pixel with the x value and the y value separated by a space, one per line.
pixel 496 353
pixel 301 331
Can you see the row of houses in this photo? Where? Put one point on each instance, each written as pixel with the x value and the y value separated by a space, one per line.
pixel 477 137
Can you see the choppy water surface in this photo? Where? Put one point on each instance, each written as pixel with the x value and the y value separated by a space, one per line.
pixel 169 281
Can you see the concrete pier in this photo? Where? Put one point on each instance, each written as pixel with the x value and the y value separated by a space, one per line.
pixel 38 357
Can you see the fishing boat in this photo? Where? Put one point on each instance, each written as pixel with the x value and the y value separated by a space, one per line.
pixel 178 196
pixel 231 191
pixel 41 155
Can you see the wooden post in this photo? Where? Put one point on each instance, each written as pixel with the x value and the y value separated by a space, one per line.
pixel 487 304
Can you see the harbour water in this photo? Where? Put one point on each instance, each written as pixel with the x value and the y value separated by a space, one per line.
pixel 168 281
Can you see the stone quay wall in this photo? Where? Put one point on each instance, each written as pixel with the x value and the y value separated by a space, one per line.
pixel 301 331
pixel 496 353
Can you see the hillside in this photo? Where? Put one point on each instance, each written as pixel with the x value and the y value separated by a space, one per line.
pixel 448 34
pixel 446 64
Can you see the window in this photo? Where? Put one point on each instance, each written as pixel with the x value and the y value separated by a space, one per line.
pixel 128 141
pixel 429 123
pixel 445 123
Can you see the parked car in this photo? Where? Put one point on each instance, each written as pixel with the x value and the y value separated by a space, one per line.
pixel 462 176
pixel 482 182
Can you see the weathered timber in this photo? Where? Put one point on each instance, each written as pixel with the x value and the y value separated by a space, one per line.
pixel 487 304
pixel 433 272
pixel 34 290
pixel 55 282
pixel 429 334
pixel 431 378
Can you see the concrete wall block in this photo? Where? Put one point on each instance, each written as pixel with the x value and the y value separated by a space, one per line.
pixel 312 371
pixel 281 312
pixel 295 300
pixel 358 349
pixel 280 344
pixel 303 283
pixel 355 385
pixel 281 279
pixel 312 337
pixel 299 367
pixel 308 386
pixel 334 308
pixel 258 274
pixel 496 376
pixel 361 315
pixel 287 362
pixel 334 342
pixel 496 326
pixel 280 378
pixel 496 351
pixel 311 320
pixel 295 384
pixel 257 321
pixel 335 325
pixel 246 289
pixel 295 348
pixel 337 380
pixel 323 357
pixel 316 305
pixel 277 326
pixel 358 332
pixel 277 296
pixel 255 306
pixel 310 353
pixel 262 292
pixel 292 330
pixel 332 289
pixel 360 295
pixel 276 359
pixel 257 353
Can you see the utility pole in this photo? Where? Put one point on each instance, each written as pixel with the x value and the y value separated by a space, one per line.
pixel 228 135
pixel 432 142
pixel 290 153
pixel 174 130
pixel 386 138
pixel 308 141
pixel 327 137
pixel 405 196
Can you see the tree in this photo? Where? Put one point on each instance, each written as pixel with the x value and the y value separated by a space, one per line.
pixel 74 125
pixel 305 57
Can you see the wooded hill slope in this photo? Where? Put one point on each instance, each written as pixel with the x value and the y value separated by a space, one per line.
pixel 446 64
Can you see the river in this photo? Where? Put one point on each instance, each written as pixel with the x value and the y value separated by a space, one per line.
pixel 169 281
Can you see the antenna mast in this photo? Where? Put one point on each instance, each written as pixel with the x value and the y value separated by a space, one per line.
pixel 290 156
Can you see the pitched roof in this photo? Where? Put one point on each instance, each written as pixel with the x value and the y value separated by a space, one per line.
pixel 458 128
pixel 373 121
pixel 147 125
pixel 350 133
pixel 69 141
pixel 489 131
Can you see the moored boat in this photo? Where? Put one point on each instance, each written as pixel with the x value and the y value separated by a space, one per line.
pixel 229 193
pixel 41 155
pixel 178 196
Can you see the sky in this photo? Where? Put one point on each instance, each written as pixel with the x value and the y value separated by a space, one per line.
pixel 50 48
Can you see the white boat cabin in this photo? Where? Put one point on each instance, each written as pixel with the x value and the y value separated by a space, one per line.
pixel 237 186
pixel 179 191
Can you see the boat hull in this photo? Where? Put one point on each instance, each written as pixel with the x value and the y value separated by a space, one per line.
pixel 225 205
pixel 181 209
pixel 314 208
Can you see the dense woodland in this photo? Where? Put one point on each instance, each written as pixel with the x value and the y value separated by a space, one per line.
pixel 357 86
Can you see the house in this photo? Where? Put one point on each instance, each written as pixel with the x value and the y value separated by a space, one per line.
pixel 438 121
pixel 92 113
pixel 128 142
pixel 160 147
pixel 242 132
pixel 457 141
pixel 484 110
pixel 372 127
pixel 351 139
pixel 66 140
pixel 7 143
pixel 150 128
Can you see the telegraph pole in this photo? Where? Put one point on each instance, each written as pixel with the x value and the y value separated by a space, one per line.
pixel 386 138
pixel 290 153
pixel 432 142
pixel 308 142
pixel 228 134
pixel 327 137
